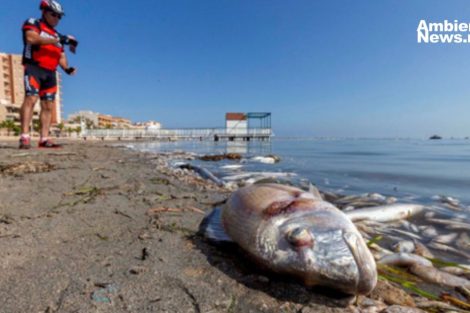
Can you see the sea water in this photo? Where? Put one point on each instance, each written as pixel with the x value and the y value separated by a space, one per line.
pixel 409 169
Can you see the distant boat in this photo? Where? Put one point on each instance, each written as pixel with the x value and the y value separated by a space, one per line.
pixel 435 137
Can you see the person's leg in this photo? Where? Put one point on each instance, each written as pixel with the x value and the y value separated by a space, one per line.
pixel 31 86
pixel 45 118
pixel 47 93
pixel 26 113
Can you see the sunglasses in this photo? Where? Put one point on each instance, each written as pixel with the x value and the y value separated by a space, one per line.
pixel 58 16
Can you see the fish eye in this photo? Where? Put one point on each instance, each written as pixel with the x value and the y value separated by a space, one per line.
pixel 300 237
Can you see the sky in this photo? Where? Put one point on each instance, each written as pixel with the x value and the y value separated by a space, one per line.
pixel 349 68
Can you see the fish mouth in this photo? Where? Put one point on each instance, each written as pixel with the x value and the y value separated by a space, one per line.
pixel 367 271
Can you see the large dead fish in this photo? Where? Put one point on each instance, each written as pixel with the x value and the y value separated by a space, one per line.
pixel 291 231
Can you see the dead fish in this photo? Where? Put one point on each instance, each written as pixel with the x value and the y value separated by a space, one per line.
pixel 406 233
pixel 432 306
pixel 204 173
pixel 463 242
pixel 375 196
pixel 450 224
pixel 448 238
pixel 446 248
pixel 447 200
pixel 406 246
pixel 409 226
pixel 401 309
pixel 454 270
pixel 404 259
pixel 429 232
pixel 385 213
pixel 291 231
pixel 433 275
pixel 422 250
pixel 378 251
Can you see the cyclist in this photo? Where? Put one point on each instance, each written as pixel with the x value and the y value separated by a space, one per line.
pixel 43 52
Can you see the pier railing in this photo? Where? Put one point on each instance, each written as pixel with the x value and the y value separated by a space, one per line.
pixel 180 134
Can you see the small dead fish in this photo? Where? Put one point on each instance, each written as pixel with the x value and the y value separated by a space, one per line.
pixel 433 275
pixel 429 232
pixel 463 242
pixel 404 259
pixel 450 224
pixel 437 306
pixel 406 246
pixel 446 238
pixel 291 231
pixel 446 248
pixel 409 226
pixel 406 233
pixel 385 213
pixel 454 270
pixel 447 200
pixel 203 172
pixel 423 251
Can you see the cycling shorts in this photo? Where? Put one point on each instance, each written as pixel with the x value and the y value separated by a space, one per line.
pixel 40 81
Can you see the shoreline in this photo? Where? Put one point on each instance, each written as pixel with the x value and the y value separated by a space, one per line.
pixel 99 228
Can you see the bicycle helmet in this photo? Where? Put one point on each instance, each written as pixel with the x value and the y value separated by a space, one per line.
pixel 52 6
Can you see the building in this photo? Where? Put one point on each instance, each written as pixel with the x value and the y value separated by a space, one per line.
pixel 105 121
pixel 97 120
pixel 247 126
pixel 236 123
pixel 12 90
pixel 120 122
pixel 149 125
pixel 90 118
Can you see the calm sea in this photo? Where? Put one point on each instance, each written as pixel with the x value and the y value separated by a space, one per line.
pixel 409 169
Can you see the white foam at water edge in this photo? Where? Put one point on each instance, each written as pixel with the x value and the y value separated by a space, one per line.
pixel 231 166
pixel 257 174
pixel 266 160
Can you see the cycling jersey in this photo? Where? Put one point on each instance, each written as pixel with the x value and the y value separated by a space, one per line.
pixel 45 56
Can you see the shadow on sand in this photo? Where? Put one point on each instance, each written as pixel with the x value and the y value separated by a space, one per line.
pixel 236 264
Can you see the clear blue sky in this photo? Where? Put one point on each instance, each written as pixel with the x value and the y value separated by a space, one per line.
pixel 323 68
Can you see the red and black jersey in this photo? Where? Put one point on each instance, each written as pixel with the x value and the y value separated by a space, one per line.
pixel 45 56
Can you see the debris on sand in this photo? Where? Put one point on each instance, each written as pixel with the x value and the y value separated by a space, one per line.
pixel 28 167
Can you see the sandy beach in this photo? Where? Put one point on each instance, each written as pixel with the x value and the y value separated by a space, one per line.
pixel 94 227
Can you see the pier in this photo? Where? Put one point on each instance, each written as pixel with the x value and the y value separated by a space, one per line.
pixel 238 127
pixel 213 134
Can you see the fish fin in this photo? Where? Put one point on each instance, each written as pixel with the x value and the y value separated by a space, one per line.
pixel 314 191
pixel 212 228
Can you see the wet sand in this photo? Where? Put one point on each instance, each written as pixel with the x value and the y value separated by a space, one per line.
pixel 99 228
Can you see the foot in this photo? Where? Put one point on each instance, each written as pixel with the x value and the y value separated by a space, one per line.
pixel 48 144
pixel 25 143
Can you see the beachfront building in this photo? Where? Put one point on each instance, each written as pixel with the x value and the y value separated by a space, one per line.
pixel 122 123
pixel 109 121
pixel 150 125
pixel 236 123
pixel 93 120
pixel 12 91
pixel 89 118
pixel 105 121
